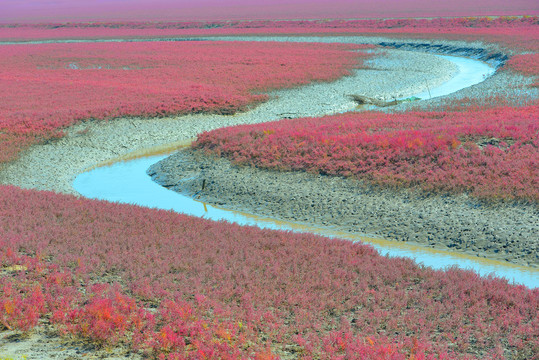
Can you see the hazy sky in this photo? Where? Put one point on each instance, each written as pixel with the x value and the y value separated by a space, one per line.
pixel 77 10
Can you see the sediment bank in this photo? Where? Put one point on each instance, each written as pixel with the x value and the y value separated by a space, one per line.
pixel 54 166
pixel 502 231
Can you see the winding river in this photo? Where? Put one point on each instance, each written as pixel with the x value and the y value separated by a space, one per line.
pixel 125 180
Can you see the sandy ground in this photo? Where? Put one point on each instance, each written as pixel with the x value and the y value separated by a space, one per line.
pixel 44 343
pixel 53 166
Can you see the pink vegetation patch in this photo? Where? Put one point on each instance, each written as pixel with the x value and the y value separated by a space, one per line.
pixel 527 64
pixel 516 32
pixel 48 87
pixel 179 287
pixel 489 154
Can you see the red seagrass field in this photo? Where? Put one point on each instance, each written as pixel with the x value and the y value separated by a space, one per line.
pixel 146 283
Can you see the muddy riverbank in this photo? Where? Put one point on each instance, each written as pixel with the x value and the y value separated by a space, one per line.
pixel 54 166
pixel 497 231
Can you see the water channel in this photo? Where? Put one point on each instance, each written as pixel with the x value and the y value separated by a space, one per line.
pixel 125 181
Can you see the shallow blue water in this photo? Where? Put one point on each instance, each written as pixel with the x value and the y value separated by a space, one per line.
pixel 470 72
pixel 127 182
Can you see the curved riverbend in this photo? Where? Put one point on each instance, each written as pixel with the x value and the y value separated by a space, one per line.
pixel 470 72
pixel 127 182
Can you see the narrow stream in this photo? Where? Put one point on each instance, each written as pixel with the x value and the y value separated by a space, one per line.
pixel 470 72
pixel 127 182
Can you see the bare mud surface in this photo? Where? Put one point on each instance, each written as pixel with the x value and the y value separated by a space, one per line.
pixel 506 232
pixel 54 166
pixel 44 343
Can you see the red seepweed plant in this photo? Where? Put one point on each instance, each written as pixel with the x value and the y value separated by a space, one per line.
pixel 47 87
pixel 490 154
pixel 497 27
pixel 176 287
pixel 179 287
pixel 527 64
